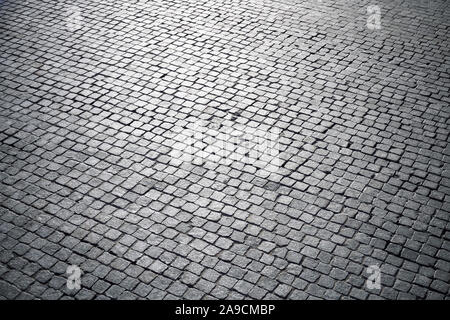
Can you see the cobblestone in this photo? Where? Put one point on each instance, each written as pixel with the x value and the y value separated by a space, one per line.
pixel 95 97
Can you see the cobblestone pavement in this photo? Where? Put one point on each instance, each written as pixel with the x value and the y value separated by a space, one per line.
pixel 92 94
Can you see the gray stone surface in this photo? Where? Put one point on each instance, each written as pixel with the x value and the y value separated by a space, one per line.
pixel 92 92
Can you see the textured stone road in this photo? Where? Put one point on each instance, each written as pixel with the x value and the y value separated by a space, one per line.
pixel 92 94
